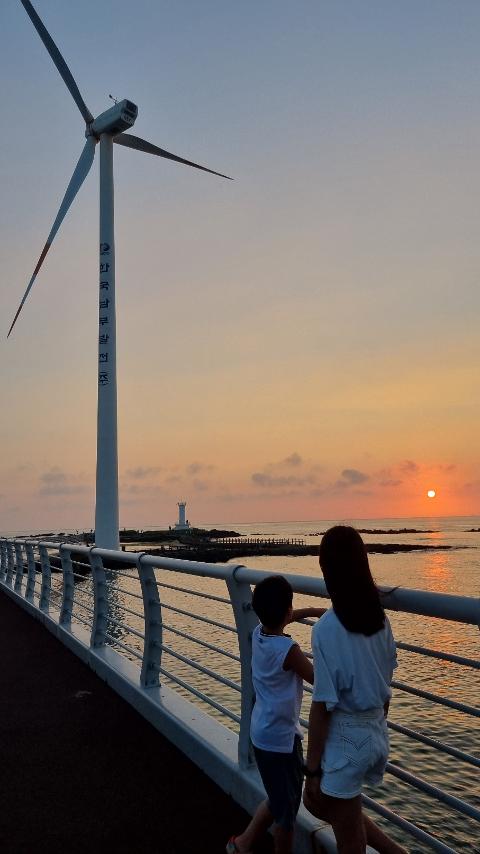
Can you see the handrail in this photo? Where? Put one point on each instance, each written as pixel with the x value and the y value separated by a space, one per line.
pixel 446 606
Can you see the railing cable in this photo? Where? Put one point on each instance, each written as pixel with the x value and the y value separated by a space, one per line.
pixel 433 742
pixel 434 791
pixel 202 669
pixel 443 656
pixel 201 642
pixel 436 698
pixel 199 694
pixel 407 826
pixel 224 626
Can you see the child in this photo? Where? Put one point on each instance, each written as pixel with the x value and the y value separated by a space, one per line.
pixel 354 657
pixel 278 670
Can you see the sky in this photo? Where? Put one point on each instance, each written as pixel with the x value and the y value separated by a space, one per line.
pixel 300 343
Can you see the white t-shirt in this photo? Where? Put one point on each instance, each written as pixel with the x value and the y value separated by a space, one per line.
pixel 352 672
pixel 278 693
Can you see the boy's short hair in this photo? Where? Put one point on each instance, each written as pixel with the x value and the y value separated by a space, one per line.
pixel 271 600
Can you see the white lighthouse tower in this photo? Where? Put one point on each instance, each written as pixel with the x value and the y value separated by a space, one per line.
pixel 182 523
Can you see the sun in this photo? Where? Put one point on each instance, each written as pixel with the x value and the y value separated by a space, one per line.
pixel 431 493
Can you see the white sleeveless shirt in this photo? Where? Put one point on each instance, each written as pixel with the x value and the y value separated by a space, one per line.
pixel 278 693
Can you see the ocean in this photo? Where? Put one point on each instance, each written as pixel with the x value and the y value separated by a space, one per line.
pixel 455 571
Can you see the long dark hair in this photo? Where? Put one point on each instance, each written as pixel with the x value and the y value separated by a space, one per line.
pixel 355 598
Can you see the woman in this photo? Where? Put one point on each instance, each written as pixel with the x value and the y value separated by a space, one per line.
pixel 354 658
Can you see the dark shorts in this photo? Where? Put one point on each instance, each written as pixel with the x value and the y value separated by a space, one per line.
pixel 282 776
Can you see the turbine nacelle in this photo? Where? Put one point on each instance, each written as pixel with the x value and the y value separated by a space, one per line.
pixel 115 120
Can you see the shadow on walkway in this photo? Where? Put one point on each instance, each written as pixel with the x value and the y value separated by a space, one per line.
pixel 81 771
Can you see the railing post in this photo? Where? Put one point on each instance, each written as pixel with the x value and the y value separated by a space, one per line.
pixel 3 560
pixel 19 568
pixel 100 607
pixel 152 649
pixel 68 586
pixel 30 591
pixel 46 579
pixel 246 620
pixel 10 564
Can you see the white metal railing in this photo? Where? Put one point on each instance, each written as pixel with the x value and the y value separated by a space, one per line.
pixel 100 590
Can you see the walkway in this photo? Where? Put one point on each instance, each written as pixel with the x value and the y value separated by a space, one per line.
pixel 81 771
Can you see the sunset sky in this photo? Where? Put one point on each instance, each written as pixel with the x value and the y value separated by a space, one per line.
pixel 301 343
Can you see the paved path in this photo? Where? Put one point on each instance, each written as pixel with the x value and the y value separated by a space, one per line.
pixel 81 771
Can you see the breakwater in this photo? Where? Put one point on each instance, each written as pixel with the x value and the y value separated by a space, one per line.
pixel 220 546
pixel 222 551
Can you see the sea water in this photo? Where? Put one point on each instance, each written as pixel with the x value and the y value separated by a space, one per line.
pixel 455 570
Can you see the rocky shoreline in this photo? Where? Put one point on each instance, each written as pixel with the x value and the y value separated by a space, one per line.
pixel 220 546
pixel 217 554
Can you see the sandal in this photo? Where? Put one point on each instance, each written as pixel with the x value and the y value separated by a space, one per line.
pixel 231 847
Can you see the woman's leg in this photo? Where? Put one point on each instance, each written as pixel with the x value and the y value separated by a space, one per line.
pixel 347 822
pixel 283 840
pixel 352 828
pixel 259 825
pixel 345 816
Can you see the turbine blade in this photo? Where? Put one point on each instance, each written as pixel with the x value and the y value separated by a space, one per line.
pixel 131 141
pixel 58 60
pixel 80 173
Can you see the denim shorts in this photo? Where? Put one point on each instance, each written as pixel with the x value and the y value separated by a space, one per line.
pixel 282 776
pixel 355 753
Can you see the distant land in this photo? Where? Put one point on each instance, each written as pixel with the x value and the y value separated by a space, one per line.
pixel 134 535
pixel 219 546
pixel 386 531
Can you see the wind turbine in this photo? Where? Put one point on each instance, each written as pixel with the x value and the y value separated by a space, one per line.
pixel 108 128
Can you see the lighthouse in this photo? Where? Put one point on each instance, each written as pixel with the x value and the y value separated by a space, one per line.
pixel 182 523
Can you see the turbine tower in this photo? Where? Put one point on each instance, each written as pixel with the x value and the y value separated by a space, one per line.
pixel 108 128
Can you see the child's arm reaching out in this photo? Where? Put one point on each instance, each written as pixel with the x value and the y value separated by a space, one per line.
pixel 301 613
pixel 297 661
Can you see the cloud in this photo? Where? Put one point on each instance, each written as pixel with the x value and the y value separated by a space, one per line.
pixel 409 467
pixel 145 489
pixel 141 472
pixel 196 468
pixel 56 482
pixel 23 468
pixel 265 479
pixel 277 475
pixel 471 488
pixel 173 478
pixel 132 488
pixel 200 485
pixel 308 479
pixel 354 476
pixel 349 478
pixel 226 496
pixel 387 477
pixel 293 460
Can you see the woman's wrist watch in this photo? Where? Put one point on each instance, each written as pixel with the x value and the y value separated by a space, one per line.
pixel 308 773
